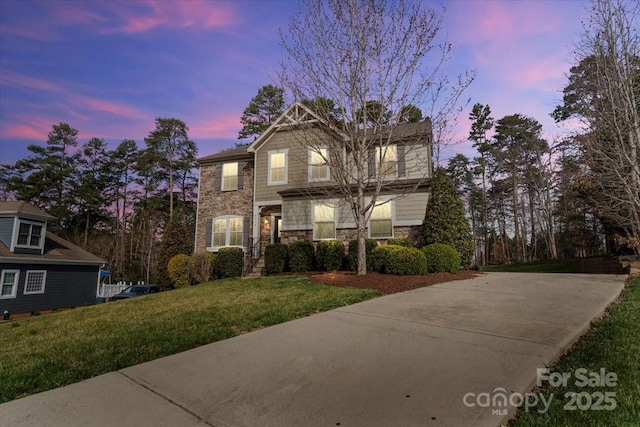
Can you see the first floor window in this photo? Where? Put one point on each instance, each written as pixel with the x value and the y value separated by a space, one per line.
pixel 380 223
pixel 230 176
pixel 324 224
pixel 227 231
pixel 9 283
pixel 29 234
pixel 34 282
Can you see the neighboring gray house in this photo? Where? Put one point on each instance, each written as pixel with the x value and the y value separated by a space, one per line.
pixel 279 189
pixel 39 270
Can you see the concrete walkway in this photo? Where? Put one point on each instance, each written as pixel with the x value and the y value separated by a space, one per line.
pixel 406 359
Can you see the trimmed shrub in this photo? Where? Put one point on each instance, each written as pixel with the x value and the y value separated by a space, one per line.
pixel 441 258
pixel 201 266
pixel 392 259
pixel 352 257
pixel 275 258
pixel 178 270
pixel 401 241
pixel 229 262
pixel 301 256
pixel 330 254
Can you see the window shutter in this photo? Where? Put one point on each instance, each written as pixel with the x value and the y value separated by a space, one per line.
pixel 372 162
pixel 218 179
pixel 240 175
pixel 402 166
pixel 246 231
pixel 209 234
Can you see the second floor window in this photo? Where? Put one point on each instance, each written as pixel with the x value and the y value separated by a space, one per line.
pixel 387 160
pixel 277 167
pixel 318 166
pixel 230 176
pixel 29 235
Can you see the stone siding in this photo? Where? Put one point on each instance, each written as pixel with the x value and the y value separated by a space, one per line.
pixel 212 203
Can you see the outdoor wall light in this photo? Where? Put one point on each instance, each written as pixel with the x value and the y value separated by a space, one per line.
pixel 266 221
pixel 6 315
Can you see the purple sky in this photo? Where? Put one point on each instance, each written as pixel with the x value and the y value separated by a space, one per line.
pixel 109 68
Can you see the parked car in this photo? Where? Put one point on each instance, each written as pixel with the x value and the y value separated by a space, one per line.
pixel 136 291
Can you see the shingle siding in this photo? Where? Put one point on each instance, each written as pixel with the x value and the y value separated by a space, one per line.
pixel 66 286
pixel 6 230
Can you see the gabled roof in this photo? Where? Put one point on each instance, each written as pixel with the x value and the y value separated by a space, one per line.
pixel 295 115
pixel 239 153
pixel 24 209
pixel 56 251
pixel 407 131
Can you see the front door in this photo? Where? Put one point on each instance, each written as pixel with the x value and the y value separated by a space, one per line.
pixel 277 225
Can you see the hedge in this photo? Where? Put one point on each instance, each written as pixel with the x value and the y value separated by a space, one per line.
pixel 392 259
pixel 276 257
pixel 352 257
pixel 301 256
pixel 401 241
pixel 330 254
pixel 441 258
pixel 229 262
pixel 201 266
pixel 178 271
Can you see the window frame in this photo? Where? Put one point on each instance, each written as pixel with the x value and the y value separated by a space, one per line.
pixel 270 153
pixel 318 150
pixel 330 205
pixel 380 159
pixel 391 218
pixel 42 285
pixel 223 187
pixel 43 232
pixel 14 289
pixel 227 231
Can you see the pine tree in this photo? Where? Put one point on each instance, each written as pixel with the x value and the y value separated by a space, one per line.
pixel 445 220
pixel 262 111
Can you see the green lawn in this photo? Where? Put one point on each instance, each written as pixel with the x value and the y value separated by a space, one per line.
pixel 613 343
pixel 42 353
pixel 550 266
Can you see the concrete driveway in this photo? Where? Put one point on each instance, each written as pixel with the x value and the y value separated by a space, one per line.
pixel 418 358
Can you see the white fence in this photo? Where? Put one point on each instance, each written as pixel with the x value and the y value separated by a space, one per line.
pixel 107 290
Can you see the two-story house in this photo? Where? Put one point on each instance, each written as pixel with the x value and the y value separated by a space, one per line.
pixel 39 270
pixel 284 186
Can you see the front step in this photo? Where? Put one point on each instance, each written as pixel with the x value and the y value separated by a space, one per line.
pixel 257 270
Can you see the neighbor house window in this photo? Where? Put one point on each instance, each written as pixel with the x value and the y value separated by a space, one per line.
pixel 230 176
pixel 277 167
pixel 387 160
pixel 9 283
pixel 380 223
pixel 318 166
pixel 30 234
pixel 227 231
pixel 34 282
pixel 324 223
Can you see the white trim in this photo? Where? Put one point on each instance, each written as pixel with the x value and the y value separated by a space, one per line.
pixel 310 164
pixel 49 261
pixel 14 289
pixel 16 233
pixel 407 222
pixel 284 151
pixel 330 204
pixel 42 285
pixel 380 201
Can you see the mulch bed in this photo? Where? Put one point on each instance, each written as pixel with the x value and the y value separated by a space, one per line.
pixel 387 283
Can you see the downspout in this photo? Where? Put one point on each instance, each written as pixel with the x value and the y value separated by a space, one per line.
pixel 195 237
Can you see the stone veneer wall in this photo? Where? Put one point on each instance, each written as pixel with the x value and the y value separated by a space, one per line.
pixel 212 203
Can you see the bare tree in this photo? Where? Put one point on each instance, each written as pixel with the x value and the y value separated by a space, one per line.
pixel 364 53
pixel 604 91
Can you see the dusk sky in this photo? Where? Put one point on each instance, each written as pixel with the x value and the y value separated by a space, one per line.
pixel 110 68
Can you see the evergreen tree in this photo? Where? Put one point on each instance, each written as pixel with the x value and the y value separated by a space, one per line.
pixel 445 220
pixel 262 111
pixel 175 240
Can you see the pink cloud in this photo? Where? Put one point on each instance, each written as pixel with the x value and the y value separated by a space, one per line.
pixel 22 132
pixel 26 81
pixel 222 126
pixel 103 106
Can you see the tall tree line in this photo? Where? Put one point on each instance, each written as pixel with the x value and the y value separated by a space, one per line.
pixel 115 203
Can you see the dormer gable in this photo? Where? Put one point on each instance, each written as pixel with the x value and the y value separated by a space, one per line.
pixel 23 227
